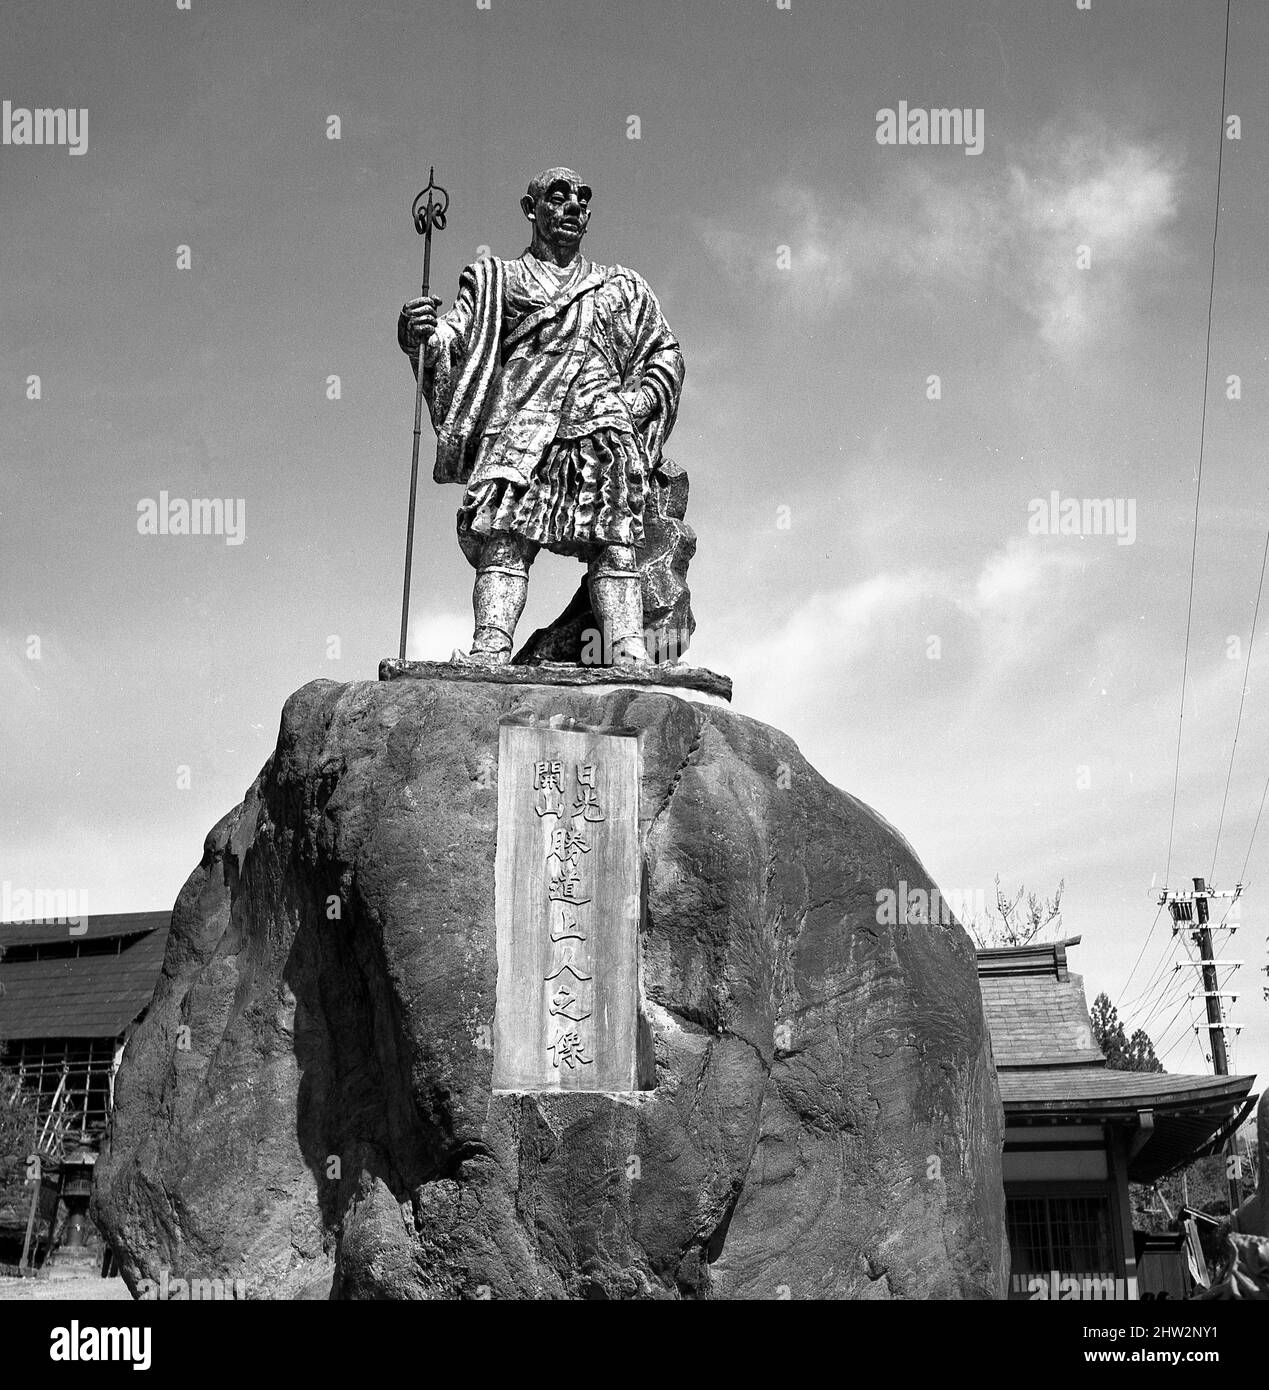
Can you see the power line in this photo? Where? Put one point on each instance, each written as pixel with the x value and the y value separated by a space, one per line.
pixel 1158 978
pixel 1242 877
pixel 1198 489
pixel 1162 1055
pixel 1165 993
pixel 1238 723
pixel 1146 942
pixel 1180 981
pixel 1166 996
pixel 1162 1052
pixel 1189 1047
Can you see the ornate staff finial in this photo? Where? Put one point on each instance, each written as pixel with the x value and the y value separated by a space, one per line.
pixel 428 211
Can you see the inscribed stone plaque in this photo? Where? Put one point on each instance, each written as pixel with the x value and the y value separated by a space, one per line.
pixel 566 886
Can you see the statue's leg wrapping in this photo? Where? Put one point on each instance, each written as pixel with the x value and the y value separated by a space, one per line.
pixel 502 585
pixel 616 597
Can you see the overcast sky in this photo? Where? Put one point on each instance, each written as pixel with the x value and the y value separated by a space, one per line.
pixel 866 571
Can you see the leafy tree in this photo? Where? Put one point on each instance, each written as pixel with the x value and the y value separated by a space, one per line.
pixel 1208 1192
pixel 1140 1054
pixel 18 1130
pixel 1123 1053
pixel 1109 1032
pixel 17 1116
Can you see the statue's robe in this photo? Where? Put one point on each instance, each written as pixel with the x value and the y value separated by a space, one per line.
pixel 552 392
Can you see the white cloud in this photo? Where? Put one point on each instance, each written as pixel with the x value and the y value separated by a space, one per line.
pixel 1114 199
pixel 994 619
pixel 434 637
pixel 29 689
pixel 1020 575
pixel 827 630
pixel 1018 237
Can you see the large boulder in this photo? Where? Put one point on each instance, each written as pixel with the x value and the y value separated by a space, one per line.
pixel 307 1105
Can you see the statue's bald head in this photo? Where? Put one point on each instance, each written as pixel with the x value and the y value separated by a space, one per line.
pixel 558 206
pixel 559 173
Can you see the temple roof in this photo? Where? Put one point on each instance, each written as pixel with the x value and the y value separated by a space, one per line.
pixel 1049 1066
pixel 91 986
pixel 1035 1007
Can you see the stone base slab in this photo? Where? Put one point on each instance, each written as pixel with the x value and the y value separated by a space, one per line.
pixel 676 678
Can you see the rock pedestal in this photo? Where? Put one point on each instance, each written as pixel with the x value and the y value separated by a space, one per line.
pixel 309 1104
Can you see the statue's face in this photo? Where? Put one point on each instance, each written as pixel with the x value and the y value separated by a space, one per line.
pixel 561 209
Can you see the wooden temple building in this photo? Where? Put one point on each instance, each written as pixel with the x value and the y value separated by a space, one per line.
pixel 68 1003
pixel 1077 1133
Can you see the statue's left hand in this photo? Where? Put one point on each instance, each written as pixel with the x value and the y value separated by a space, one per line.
pixel 641 403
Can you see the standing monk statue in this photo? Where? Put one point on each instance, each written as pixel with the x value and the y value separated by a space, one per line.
pixel 552 384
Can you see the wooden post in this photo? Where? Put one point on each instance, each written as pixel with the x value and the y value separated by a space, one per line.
pixel 35 1203
pixel 48 1131
pixel 1262 1137
pixel 1216 1029
pixel 1190 912
pixel 1121 1208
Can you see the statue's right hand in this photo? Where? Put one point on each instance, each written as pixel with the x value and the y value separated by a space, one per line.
pixel 417 322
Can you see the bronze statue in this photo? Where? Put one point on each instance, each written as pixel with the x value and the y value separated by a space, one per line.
pixel 553 384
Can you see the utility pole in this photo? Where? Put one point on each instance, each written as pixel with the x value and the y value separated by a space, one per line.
pixel 1190 913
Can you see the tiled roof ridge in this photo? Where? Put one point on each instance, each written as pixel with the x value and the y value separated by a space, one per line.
pixel 100 926
pixel 1035 958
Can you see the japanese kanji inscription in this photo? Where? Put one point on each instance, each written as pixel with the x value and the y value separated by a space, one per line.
pixel 567 908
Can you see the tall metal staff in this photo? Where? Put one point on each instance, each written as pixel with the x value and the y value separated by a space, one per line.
pixel 428 211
